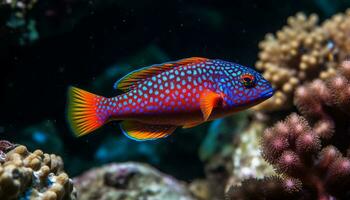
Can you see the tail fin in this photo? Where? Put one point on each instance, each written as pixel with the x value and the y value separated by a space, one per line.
pixel 82 111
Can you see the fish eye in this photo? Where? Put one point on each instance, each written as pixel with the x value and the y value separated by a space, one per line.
pixel 248 80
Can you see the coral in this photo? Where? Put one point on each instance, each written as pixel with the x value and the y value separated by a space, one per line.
pixel 271 188
pixel 300 52
pixel 200 189
pixel 236 162
pixel 129 181
pixel 37 175
pixel 338 27
pixel 306 168
pixel 5 146
pixel 246 156
pixel 326 104
pixel 309 153
pixel 217 174
pixel 216 150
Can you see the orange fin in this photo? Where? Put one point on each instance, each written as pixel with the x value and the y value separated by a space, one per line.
pixel 208 101
pixel 139 131
pixel 130 80
pixel 82 114
pixel 190 125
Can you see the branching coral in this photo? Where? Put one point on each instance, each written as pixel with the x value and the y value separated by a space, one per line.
pixel 309 153
pixel 300 52
pixel 37 175
pixel 327 105
pixel 307 170
pixel 338 28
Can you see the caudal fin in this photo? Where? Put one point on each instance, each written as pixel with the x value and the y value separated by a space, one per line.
pixel 82 111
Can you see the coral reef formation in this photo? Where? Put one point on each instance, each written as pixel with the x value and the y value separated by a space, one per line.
pixel 300 52
pixel 338 28
pixel 246 156
pixel 39 176
pixel 326 105
pixel 216 151
pixel 309 153
pixel 129 181
pixel 236 161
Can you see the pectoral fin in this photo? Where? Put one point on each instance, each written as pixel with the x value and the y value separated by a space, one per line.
pixel 139 131
pixel 208 101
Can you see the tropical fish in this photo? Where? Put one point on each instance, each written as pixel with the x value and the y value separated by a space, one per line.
pixel 160 98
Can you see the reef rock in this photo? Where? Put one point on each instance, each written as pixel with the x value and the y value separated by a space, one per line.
pixel 36 176
pixel 129 181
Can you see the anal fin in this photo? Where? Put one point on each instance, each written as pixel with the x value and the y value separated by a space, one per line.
pixel 190 125
pixel 139 131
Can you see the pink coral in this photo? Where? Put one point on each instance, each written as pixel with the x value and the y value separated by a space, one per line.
pixel 309 151
pixel 302 159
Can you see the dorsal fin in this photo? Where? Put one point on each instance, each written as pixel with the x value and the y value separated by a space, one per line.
pixel 130 80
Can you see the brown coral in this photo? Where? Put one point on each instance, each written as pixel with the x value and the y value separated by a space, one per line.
pixel 300 52
pixel 338 27
pixel 34 175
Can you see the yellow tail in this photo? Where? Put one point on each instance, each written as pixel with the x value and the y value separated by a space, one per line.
pixel 82 111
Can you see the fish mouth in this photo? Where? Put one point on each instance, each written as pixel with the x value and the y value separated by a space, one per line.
pixel 267 94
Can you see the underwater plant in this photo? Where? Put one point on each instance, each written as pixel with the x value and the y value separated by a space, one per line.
pixel 309 153
pixel 300 52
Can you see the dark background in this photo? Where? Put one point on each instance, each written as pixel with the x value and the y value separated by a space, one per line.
pixel 79 40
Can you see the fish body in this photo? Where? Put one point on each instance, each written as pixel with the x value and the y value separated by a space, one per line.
pixel 160 98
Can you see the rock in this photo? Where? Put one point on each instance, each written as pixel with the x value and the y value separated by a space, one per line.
pixel 129 181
